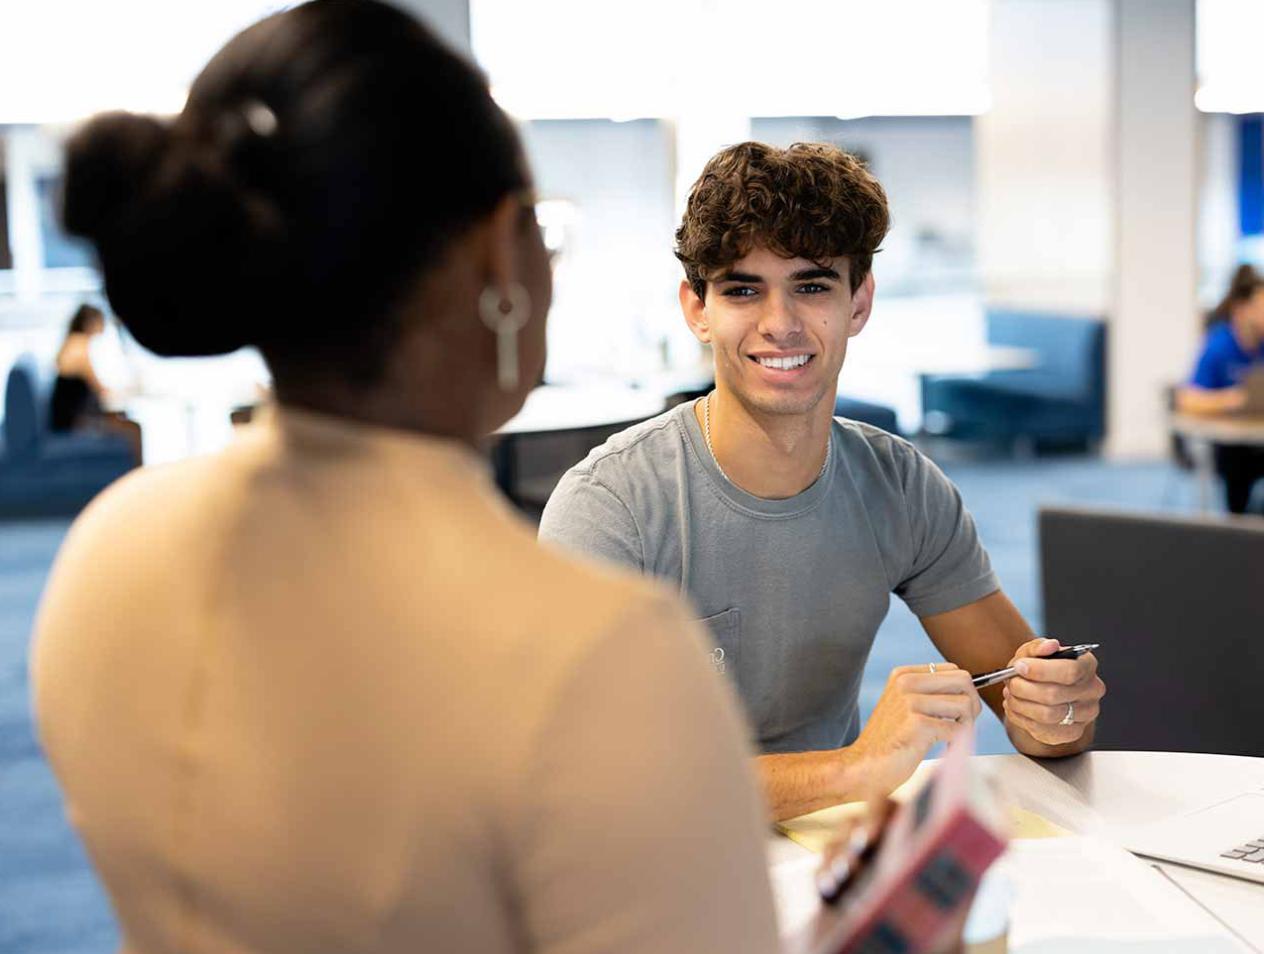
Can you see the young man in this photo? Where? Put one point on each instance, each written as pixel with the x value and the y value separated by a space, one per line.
pixel 788 528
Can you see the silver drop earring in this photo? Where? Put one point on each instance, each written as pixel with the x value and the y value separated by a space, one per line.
pixel 505 315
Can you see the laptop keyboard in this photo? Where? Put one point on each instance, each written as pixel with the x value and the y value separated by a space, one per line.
pixel 1251 851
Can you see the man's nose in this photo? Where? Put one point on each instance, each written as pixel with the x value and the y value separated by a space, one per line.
pixel 780 319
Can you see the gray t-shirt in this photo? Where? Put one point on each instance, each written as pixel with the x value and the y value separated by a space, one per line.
pixel 792 590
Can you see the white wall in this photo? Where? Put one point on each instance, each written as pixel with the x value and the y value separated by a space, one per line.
pixel 1218 225
pixel 1044 162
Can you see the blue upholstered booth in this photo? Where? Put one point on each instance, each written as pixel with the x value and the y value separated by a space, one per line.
pixel 46 473
pixel 879 415
pixel 1061 401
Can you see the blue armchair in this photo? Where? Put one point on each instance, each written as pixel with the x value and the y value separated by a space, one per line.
pixel 42 473
pixel 1061 401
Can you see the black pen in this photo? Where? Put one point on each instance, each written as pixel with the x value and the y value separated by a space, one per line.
pixel 984 679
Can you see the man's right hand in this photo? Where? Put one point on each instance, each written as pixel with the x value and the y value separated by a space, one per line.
pixel 917 709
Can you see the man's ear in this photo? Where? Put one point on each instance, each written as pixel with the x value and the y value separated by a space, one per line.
pixel 695 312
pixel 501 231
pixel 861 305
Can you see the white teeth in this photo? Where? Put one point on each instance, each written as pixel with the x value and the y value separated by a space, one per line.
pixel 785 364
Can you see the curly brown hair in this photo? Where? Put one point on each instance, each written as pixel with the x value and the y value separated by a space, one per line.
pixel 812 201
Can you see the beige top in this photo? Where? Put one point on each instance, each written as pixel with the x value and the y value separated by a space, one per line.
pixel 324 692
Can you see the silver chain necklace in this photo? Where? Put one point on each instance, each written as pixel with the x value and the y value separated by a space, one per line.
pixel 706 432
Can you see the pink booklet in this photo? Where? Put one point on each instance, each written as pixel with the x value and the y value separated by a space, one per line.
pixel 920 883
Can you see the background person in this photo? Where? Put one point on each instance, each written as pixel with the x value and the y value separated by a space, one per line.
pixel 76 400
pixel 323 690
pixel 1234 345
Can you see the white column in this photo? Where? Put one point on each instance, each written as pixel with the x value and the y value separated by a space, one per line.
pixel 1154 329
pixel 1043 158
pixel 22 149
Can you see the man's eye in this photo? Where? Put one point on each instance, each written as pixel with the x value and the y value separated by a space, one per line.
pixel 740 291
pixel 813 288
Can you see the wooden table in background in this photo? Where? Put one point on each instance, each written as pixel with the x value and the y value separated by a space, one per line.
pixel 1203 431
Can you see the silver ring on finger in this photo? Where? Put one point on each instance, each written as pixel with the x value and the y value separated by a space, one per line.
pixel 1069 718
pixel 931 667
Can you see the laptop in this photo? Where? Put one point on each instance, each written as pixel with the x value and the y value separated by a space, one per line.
pixel 1226 837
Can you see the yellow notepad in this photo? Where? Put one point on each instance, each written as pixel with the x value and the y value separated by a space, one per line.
pixel 1031 825
pixel 815 830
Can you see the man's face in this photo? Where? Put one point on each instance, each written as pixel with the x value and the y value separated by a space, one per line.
pixel 779 328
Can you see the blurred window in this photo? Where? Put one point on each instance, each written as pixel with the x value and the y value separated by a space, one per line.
pixel 606 207
pixel 60 250
pixel 6 256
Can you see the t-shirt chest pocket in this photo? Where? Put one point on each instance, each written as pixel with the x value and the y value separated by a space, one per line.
pixel 726 641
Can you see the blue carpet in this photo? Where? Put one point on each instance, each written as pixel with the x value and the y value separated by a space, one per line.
pixel 51 903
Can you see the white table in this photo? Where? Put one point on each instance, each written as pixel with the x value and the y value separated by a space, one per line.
pixel 561 407
pixel 1100 792
pixel 980 360
pixel 1202 431
pixel 183 404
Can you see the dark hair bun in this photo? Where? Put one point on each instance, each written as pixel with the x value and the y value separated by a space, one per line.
pixel 173 231
pixel 107 162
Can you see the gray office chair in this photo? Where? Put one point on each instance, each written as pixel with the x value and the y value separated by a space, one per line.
pixel 1177 604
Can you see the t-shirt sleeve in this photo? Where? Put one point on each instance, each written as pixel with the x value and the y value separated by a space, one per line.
pixel 586 517
pixel 946 566
pixel 1212 370
pixel 641 829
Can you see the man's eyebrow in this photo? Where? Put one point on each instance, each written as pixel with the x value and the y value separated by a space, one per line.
pixel 745 278
pixel 807 273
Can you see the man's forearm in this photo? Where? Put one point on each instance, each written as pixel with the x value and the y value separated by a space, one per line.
pixel 799 782
pixel 1026 744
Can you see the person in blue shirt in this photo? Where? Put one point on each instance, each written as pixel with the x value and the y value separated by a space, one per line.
pixel 1234 345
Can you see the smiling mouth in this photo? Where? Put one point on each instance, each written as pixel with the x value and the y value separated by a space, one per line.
pixel 783 364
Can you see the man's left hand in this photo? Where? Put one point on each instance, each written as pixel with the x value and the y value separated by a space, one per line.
pixel 1052 700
